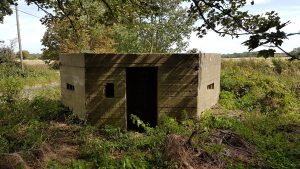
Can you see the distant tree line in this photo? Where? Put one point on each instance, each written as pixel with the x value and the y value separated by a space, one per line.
pixel 295 51
pixel 250 54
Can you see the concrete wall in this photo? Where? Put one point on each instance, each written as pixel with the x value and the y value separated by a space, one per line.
pixel 101 110
pixel 177 84
pixel 72 72
pixel 209 75
pixel 182 84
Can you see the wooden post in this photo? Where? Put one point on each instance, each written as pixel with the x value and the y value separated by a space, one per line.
pixel 19 37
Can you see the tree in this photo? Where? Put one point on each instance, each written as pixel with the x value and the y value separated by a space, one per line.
pixel 149 25
pixel 84 33
pixel 26 54
pixel 164 29
pixel 7 52
pixel 5 8
pixel 226 17
pixel 296 52
pixel 194 50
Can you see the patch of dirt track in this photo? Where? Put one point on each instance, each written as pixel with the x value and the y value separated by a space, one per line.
pixel 59 147
pixel 29 90
pixel 186 156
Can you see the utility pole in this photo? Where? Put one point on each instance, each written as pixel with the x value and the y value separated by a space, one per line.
pixel 19 37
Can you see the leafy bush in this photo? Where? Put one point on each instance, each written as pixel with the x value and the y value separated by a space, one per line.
pixel 113 148
pixel 11 69
pixel 227 100
pixel 23 124
pixel 10 89
pixel 256 86
pixel 19 137
pixel 32 75
pixel 46 109
pixel 6 53
pixel 269 92
pixel 75 164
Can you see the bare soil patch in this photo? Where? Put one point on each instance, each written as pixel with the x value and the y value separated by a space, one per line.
pixel 186 156
pixel 59 147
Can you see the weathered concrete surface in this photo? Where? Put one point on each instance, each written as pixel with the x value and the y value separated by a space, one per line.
pixel 209 73
pixel 178 88
pixel 72 72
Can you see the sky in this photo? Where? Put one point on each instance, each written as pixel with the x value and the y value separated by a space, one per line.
pixel 32 30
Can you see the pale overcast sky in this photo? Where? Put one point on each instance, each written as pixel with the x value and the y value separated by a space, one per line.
pixel 32 30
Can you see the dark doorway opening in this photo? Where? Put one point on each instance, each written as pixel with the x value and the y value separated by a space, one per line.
pixel 141 95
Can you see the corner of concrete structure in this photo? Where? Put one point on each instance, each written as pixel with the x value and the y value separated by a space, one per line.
pixel 208 81
pixel 74 59
pixel 72 72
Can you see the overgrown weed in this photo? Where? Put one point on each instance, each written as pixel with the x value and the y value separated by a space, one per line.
pixel 265 95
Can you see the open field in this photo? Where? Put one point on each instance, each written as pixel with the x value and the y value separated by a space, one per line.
pixel 34 62
pixel 256 58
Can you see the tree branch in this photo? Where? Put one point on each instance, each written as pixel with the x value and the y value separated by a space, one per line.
pixel 60 6
pixel 292 34
pixel 293 57
pixel 39 7
pixel 241 22
pixel 212 26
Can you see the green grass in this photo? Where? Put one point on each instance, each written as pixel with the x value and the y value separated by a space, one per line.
pixel 257 86
pixel 23 122
pixel 32 75
pixel 268 95
pixel 259 102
